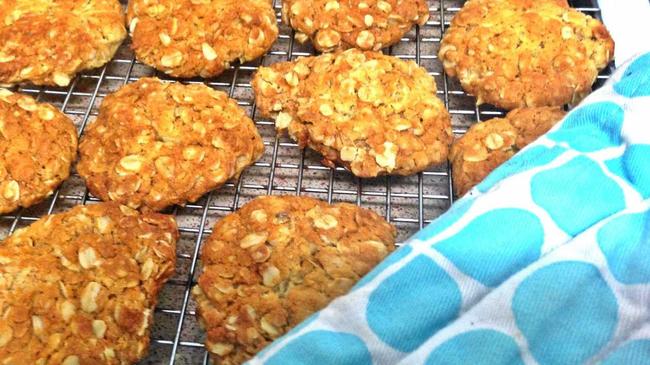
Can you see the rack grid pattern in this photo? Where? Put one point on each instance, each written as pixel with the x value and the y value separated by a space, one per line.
pixel 407 202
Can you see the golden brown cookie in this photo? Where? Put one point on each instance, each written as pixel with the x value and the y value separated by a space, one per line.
pixel 37 146
pixel 187 38
pixel 517 53
pixel 80 287
pixel 342 24
pixel 487 145
pixel 156 144
pixel 277 260
pixel 372 113
pixel 47 42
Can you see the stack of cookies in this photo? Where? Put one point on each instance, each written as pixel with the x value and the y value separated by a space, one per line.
pixel 79 287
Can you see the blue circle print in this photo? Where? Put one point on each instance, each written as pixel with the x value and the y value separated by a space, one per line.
pixel 591 127
pixel 490 254
pixel 633 353
pixel 625 242
pixel 393 258
pixel 636 80
pixel 479 347
pixel 632 167
pixel 636 160
pixel 566 311
pixel 616 167
pixel 323 348
pixel 455 212
pixel 528 159
pixel 577 194
pixel 413 304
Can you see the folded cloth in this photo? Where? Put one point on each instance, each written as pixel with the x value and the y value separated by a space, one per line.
pixel 547 261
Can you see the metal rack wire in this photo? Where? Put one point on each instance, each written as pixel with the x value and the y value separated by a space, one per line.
pixel 407 202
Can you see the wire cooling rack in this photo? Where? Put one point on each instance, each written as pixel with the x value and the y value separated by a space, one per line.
pixel 407 202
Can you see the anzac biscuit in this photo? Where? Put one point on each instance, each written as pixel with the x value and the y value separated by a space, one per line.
pixel 188 38
pixel 372 113
pixel 155 144
pixel 342 24
pixel 487 145
pixel 47 42
pixel 277 260
pixel 517 53
pixel 37 146
pixel 80 287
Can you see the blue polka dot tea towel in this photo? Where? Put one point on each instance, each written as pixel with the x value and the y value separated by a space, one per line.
pixel 546 262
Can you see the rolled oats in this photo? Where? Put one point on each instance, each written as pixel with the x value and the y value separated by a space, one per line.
pixel 53 314
pixel 518 53
pixel 374 114
pixel 99 328
pixel 494 141
pixel 208 52
pixel 89 33
pixel 343 24
pixel 88 258
pixel 37 147
pixel 189 38
pixel 317 252
pixel 165 39
pixel 156 144
pixel 487 145
pixel 365 40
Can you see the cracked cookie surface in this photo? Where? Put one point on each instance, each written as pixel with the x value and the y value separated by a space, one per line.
pixel 188 38
pixel 38 144
pixel 363 24
pixel 487 145
pixel 156 144
pixel 518 53
pixel 372 113
pixel 80 287
pixel 47 42
pixel 277 260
